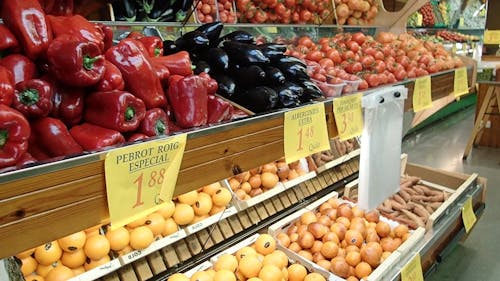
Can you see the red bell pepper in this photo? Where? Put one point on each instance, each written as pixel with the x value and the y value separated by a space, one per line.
pixel 26 20
pixel 155 123
pixel 79 27
pixel 33 98
pixel 117 110
pixel 178 63
pixel 108 35
pixel 218 110
pixel 21 67
pixel 6 86
pixel 161 70
pixel 153 45
pixel 53 138
pixel 7 40
pixel 25 160
pixel 75 62
pixel 212 85
pixel 58 7
pixel 135 35
pixel 140 78
pixel 188 97
pixel 112 78
pixel 137 137
pixel 14 134
pixel 36 149
pixel 67 104
pixel 92 137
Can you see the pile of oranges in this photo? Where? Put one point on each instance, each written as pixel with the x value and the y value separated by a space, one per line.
pixel 259 180
pixel 67 257
pixel 82 251
pixel 343 239
pixel 258 262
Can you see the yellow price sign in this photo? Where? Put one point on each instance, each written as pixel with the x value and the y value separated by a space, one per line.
pixel 271 29
pixel 460 83
pixel 305 132
pixel 140 177
pixel 422 97
pixel 468 215
pixel 348 116
pixel 492 37
pixel 412 271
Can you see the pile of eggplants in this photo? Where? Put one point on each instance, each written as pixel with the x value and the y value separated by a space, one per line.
pixel 151 10
pixel 258 77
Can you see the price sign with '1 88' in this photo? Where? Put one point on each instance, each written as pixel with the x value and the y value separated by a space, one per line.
pixel 305 132
pixel 348 116
pixel 140 177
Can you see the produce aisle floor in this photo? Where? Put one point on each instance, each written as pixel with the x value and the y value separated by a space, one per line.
pixel 442 146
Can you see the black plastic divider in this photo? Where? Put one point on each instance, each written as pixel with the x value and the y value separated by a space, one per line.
pixel 264 224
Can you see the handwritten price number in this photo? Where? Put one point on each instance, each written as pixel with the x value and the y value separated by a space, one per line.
pixel 347 118
pixel 155 178
pixel 309 133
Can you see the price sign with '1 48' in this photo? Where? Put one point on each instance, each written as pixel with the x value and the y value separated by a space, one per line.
pixel 140 177
pixel 348 116
pixel 422 97
pixel 305 132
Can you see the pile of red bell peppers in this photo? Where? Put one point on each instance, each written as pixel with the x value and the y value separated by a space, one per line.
pixel 65 89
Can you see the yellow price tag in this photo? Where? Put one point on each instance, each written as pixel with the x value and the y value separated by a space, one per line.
pixel 492 37
pixel 305 132
pixel 468 215
pixel 348 116
pixel 412 271
pixel 140 177
pixel 271 29
pixel 460 83
pixel 422 98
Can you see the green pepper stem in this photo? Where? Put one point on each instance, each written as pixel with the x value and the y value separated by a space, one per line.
pixel 29 97
pixel 88 62
pixel 157 52
pixel 160 127
pixel 129 113
pixel 4 135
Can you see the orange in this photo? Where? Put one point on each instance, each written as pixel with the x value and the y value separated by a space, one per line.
pixel 296 272
pixel 73 241
pixel 170 227
pixel 211 188
pixel 269 180
pixel 26 253
pixel 265 244
pixel 255 279
pixel 353 237
pixel 48 253
pixel 270 273
pixel 363 269
pixel 329 249
pixel 221 197
pixel 93 230
pixel 203 204
pixel 353 258
pixel 91 264
pixel 60 273
pixel 141 237
pixel 138 222
pixel 201 276
pixel 226 261
pixel 178 277
pixel 224 275
pixel 96 247
pixel 188 198
pixel 118 238
pixel 314 277
pixel 183 214
pixel 33 278
pixel 383 229
pixel 250 266
pixel 73 259
pixel 277 258
pixel 79 270
pixel 156 223
pixel 43 270
pixel 28 265
pixel 245 251
pixel 167 209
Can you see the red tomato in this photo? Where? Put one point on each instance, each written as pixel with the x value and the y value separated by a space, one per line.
pixel 305 41
pixel 354 67
pixel 209 19
pixel 353 46
pixel 373 80
pixel 223 16
pixel 305 15
pixel 367 61
pixel 325 48
pixel 401 74
pixel 379 55
pixel 403 60
pixel 280 9
pixel 295 17
pixel 370 51
pixel 206 9
pixel 379 66
pixel 228 6
pixel 242 5
pixel 319 77
pixel 411 73
pixel 314 56
pixel 363 85
pixel 348 55
pixel 334 55
pixel 290 3
pixel 421 72
pixel 359 37
pixel 326 62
